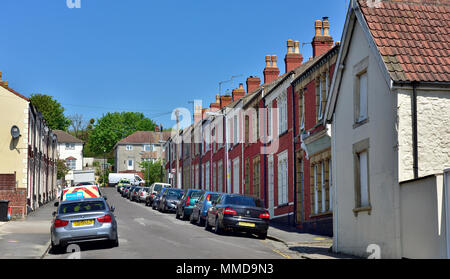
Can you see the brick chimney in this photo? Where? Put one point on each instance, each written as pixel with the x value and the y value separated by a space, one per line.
pixel 238 92
pixel 157 128
pixel 322 42
pixel 215 106
pixel 197 113
pixel 293 57
pixel 225 100
pixel 252 84
pixel 271 71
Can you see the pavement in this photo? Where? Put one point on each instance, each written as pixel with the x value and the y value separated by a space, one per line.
pixel 29 238
pixel 305 245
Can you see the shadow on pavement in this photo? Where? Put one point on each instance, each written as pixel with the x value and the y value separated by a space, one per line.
pixel 80 247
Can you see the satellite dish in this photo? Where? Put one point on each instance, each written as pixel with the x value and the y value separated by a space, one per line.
pixel 15 132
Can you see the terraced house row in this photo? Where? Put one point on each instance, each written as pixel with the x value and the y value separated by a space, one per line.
pixel 353 142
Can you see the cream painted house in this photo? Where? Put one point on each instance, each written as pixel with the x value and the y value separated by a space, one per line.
pixel 389 110
pixel 28 152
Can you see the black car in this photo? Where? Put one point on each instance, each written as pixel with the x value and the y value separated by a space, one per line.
pixel 130 191
pixel 169 201
pixel 238 213
pixel 125 191
pixel 155 203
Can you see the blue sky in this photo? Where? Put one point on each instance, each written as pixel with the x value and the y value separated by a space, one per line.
pixel 149 56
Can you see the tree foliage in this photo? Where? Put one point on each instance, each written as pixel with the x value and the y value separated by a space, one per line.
pixel 51 110
pixel 152 171
pixel 61 169
pixel 113 127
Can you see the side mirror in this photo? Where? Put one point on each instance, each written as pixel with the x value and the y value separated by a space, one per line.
pixel 56 204
pixel 54 213
pixel 105 198
pixel 112 208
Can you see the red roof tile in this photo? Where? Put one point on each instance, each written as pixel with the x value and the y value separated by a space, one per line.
pixel 413 37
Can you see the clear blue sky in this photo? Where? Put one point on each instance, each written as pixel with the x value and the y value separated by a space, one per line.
pixel 149 56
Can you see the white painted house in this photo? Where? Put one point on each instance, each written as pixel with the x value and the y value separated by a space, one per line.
pixel 70 149
pixel 389 110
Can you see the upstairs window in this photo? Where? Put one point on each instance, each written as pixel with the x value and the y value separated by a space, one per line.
pixel 70 146
pixel 282 114
pixel 129 147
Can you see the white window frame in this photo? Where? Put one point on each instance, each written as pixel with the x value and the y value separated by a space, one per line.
pixel 363 79
pixel 283 179
pixel 282 113
pixel 129 147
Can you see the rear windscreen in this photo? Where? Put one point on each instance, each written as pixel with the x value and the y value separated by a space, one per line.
pixel 157 188
pixel 196 194
pixel 79 207
pixel 246 201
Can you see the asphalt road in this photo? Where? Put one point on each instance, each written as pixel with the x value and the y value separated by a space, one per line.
pixel 145 233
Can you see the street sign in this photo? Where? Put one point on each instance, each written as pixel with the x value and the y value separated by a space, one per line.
pixel 174 170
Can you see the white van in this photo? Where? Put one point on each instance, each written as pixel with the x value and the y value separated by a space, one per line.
pixel 114 178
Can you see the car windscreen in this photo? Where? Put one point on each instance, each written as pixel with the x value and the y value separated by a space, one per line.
pixel 196 194
pixel 174 195
pixel 214 197
pixel 84 206
pixel 246 201
pixel 157 188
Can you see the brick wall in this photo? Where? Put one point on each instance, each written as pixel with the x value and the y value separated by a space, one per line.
pixel 7 181
pixel 17 197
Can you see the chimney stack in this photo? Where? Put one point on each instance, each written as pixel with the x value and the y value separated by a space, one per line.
pixel 322 42
pixel 225 100
pixel 271 71
pixel 157 128
pixel 252 84
pixel 215 106
pixel 293 57
pixel 238 92
pixel 197 113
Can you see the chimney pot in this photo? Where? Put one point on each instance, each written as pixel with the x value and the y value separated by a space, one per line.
pixel 290 45
pixel 5 83
pixel 326 27
pixel 297 47
pixel 241 86
pixel 268 61
pixel 318 27
pixel 274 61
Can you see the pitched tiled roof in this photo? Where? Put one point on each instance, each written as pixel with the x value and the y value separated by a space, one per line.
pixel 413 37
pixel 64 137
pixel 146 137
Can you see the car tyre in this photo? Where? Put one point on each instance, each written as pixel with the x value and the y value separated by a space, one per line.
pixel 217 229
pixel 199 220
pixel 262 236
pixel 183 216
pixel 191 218
pixel 207 226
pixel 177 216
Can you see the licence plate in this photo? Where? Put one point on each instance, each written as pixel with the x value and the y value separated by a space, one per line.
pixel 83 223
pixel 245 224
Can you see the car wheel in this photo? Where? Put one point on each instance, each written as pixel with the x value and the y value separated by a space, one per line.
pixel 207 226
pixel 114 243
pixel 262 236
pixel 177 216
pixel 217 228
pixel 199 221
pixel 183 216
pixel 191 218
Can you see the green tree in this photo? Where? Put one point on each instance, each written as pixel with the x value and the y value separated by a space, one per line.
pixel 152 171
pixel 61 169
pixel 113 127
pixel 51 110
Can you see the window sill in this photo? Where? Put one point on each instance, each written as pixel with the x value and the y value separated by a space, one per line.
pixel 360 123
pixel 357 210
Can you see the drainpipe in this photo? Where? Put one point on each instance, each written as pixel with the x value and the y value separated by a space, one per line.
pixel 414 131
pixel 266 118
pixel 294 156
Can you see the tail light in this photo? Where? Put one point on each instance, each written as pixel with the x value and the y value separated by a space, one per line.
pixel 142 194
pixel 265 215
pixel 188 202
pixel 229 211
pixel 60 223
pixel 208 197
pixel 105 219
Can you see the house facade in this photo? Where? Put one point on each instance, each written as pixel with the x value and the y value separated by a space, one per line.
pixel 139 147
pixel 70 149
pixel 389 111
pixel 29 152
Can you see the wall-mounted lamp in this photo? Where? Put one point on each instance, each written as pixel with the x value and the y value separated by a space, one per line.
pixel 15 132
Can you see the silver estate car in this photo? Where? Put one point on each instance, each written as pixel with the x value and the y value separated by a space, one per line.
pixel 83 220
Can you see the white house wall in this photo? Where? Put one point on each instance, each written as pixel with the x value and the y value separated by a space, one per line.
pixel 353 234
pixel 433 126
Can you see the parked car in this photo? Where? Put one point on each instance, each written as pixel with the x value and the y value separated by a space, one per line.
pixel 83 220
pixel 170 199
pixel 187 202
pixel 200 209
pixel 157 198
pixel 123 182
pixel 130 191
pixel 134 194
pixel 143 193
pixel 238 213
pixel 155 188
pixel 125 191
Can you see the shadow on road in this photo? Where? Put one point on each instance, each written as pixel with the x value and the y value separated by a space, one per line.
pixel 80 247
